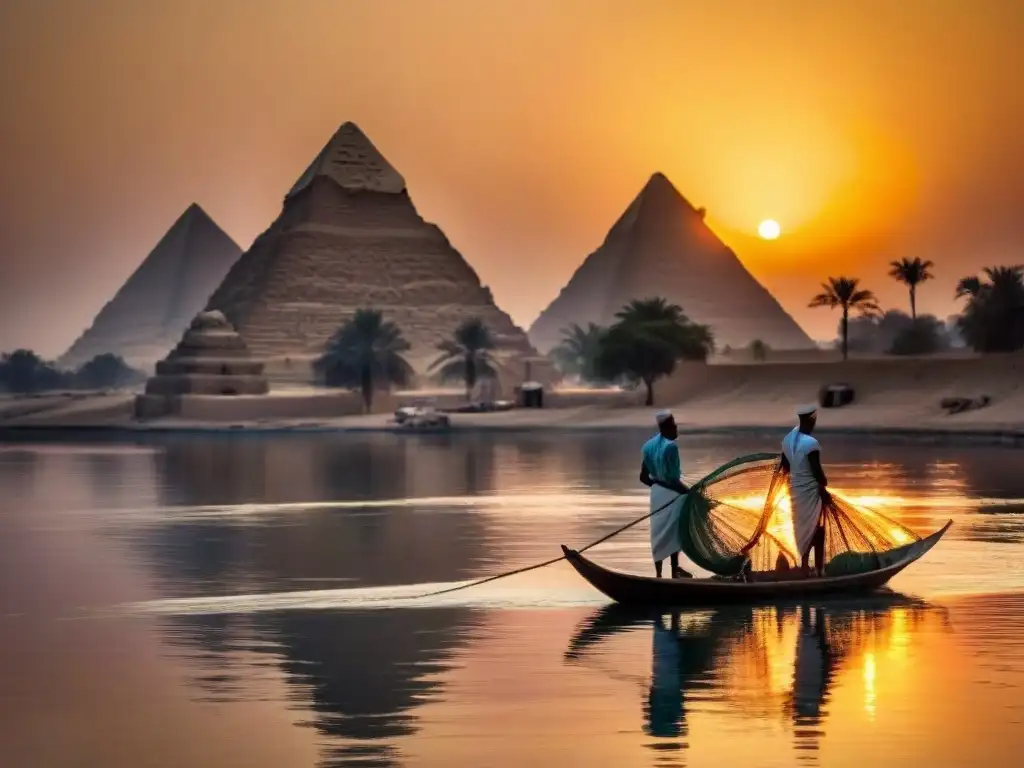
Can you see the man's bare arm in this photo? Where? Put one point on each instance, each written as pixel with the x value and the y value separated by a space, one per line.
pixel 814 458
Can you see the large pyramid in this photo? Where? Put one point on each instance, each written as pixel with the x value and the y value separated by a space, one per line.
pixel 349 237
pixel 147 316
pixel 661 247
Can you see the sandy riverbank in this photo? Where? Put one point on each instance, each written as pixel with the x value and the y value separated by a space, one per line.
pixel 897 397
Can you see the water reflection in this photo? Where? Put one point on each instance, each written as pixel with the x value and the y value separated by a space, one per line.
pixel 319 546
pixel 778 661
pixel 378 687
pixel 356 676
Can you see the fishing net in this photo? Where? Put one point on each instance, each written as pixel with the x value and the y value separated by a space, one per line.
pixel 741 512
pixel 856 537
pixel 723 521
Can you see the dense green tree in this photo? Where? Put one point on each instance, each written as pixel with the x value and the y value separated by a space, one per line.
pixel 647 340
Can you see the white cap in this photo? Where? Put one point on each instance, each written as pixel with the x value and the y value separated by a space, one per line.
pixel 662 416
pixel 806 410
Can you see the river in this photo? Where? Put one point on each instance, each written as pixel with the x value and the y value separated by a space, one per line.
pixel 245 600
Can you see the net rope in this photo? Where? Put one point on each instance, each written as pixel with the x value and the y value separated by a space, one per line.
pixel 741 513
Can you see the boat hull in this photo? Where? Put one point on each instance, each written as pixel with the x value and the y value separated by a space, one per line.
pixel 629 589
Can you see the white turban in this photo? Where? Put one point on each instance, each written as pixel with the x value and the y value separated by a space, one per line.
pixel 662 416
pixel 806 410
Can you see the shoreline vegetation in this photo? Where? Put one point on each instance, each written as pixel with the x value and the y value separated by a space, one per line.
pixel 653 354
pixel 895 399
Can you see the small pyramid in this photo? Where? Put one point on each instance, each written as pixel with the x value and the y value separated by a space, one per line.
pixel 147 316
pixel 349 237
pixel 211 360
pixel 661 246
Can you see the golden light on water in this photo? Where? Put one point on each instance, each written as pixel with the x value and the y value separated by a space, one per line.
pixel 870 695
pixel 763 669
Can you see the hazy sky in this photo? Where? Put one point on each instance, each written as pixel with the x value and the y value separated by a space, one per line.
pixel 871 129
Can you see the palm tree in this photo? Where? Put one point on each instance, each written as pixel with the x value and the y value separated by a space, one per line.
pixel 651 310
pixel 365 354
pixel 993 320
pixel 467 356
pixel 1007 280
pixel 578 350
pixel 911 272
pixel 845 293
pixel 968 286
pixel 648 339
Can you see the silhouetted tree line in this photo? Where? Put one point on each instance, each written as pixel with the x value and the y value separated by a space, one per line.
pixel 897 333
pixel 24 372
pixel 650 336
pixel 992 319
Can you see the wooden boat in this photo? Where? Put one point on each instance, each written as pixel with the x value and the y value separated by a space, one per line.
pixel 762 587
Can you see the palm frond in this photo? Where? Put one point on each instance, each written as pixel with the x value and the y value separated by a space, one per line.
pixel 451 370
pixel 365 344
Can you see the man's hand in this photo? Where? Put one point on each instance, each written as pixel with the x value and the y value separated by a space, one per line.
pixel 826 497
pixel 645 476
pixel 674 485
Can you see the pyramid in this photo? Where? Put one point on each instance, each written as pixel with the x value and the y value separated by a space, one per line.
pixel 349 237
pixel 147 316
pixel 661 246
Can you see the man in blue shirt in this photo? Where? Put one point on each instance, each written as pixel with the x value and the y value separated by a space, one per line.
pixel 661 471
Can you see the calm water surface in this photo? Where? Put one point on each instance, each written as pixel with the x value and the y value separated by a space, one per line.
pixel 251 601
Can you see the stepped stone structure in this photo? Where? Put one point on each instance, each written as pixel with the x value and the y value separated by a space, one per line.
pixel 349 237
pixel 661 246
pixel 210 359
pixel 147 315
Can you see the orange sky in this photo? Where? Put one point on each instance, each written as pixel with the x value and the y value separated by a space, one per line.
pixel 870 129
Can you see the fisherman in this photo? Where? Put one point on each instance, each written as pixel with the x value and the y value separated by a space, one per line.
pixel 808 488
pixel 661 471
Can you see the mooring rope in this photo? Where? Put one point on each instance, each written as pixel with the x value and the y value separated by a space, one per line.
pixel 546 563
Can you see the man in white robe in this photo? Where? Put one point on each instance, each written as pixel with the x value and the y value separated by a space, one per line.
pixel 808 488
pixel 660 470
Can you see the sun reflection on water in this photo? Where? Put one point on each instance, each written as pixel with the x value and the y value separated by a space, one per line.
pixel 808 668
pixel 870 695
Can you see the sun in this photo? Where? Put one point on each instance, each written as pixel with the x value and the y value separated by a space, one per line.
pixel 769 229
